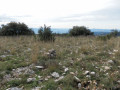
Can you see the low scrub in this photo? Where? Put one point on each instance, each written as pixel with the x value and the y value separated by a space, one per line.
pixel 45 34
pixel 80 30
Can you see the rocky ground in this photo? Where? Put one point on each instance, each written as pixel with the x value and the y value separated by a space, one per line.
pixel 80 63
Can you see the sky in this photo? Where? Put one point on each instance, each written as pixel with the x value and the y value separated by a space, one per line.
pixel 99 14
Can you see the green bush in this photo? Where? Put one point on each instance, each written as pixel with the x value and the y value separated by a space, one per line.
pixel 45 34
pixel 80 30
pixel 14 28
pixel 114 33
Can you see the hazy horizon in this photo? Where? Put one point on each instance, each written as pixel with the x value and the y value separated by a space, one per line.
pixel 99 14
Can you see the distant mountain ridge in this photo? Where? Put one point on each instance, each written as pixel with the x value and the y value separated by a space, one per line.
pixel 66 30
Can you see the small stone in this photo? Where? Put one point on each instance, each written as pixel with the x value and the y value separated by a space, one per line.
pixel 39 77
pixel 37 88
pixel 55 75
pixel 111 62
pixel 39 67
pixel 29 49
pixel 14 88
pixel 46 79
pixel 106 67
pixel 66 69
pixel 3 56
pixel 88 76
pixel 79 85
pixel 59 88
pixel 86 72
pixel 76 79
pixel 118 66
pixel 72 73
pixel 31 79
pixel 48 76
pixel 115 50
pixel 59 78
pixel 118 81
pixel 92 73
pixel 63 73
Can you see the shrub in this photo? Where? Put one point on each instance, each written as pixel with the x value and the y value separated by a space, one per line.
pixel 79 30
pixel 114 33
pixel 45 34
pixel 14 28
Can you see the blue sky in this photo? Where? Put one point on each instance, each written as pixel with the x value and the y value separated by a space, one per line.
pixel 100 14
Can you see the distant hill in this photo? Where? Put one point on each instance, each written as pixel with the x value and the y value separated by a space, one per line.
pixel 97 32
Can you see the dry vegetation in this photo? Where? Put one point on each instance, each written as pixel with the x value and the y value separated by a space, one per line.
pixel 83 62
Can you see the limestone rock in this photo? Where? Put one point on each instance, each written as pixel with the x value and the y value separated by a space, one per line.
pixel 55 75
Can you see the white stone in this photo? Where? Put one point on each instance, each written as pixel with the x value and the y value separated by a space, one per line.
pixel 55 75
pixel 14 88
pixel 88 76
pixel 66 69
pixel 86 72
pixel 111 62
pixel 115 50
pixel 39 77
pixel 118 66
pixel 37 88
pixel 39 67
pixel 92 73
pixel 46 79
pixel 79 85
pixel 106 67
pixel 29 49
pixel 59 78
pixel 118 81
pixel 77 79
pixel 31 79
pixel 72 73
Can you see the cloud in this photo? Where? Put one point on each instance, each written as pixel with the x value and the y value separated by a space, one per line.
pixel 6 18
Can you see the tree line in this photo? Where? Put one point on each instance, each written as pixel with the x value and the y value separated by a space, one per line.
pixel 44 33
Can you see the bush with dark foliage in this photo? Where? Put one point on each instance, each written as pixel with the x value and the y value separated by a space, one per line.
pixel 80 30
pixel 45 34
pixel 14 29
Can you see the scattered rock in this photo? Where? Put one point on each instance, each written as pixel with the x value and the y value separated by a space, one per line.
pixel 72 73
pixel 76 79
pixel 39 77
pixel 55 75
pixel 46 79
pixel 87 72
pixel 115 50
pixel 59 78
pixel 14 88
pixel 51 53
pixel 66 69
pixel 106 67
pixel 118 66
pixel 31 79
pixel 37 88
pixel 92 73
pixel 118 81
pixel 79 85
pixel 59 88
pixel 3 56
pixel 111 62
pixel 39 67
pixel 88 76
pixel 23 70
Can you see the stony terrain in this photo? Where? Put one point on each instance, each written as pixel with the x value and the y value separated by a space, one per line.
pixel 70 63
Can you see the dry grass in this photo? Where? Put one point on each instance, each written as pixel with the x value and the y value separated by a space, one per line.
pixel 79 54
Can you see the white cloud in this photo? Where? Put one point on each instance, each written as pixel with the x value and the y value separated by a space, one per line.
pixel 57 13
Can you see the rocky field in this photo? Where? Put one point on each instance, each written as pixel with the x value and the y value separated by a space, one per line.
pixel 70 63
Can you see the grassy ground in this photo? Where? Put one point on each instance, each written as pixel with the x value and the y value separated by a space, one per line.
pixel 78 54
